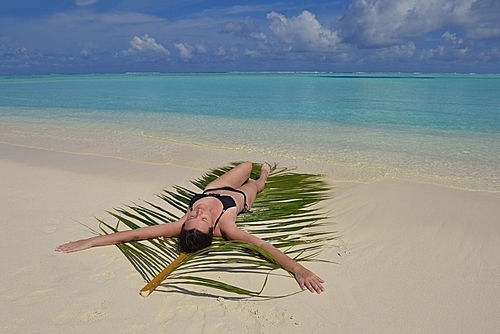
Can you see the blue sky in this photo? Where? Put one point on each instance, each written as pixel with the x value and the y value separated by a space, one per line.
pixel 97 36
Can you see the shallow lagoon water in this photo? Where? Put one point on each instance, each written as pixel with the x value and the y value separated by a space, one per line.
pixel 435 128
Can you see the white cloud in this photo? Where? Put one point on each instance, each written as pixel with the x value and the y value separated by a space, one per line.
pixel 221 51
pixel 259 36
pixel 388 22
pixel 234 27
pixel 396 52
pixel 107 19
pixel 486 11
pixel 447 36
pixel 200 48
pixel 484 33
pixel 144 48
pixel 185 51
pixel 147 44
pixel 452 48
pixel 86 53
pixel 490 55
pixel 302 32
pixel 85 2
pixel 487 23
pixel 246 29
pixel 252 53
pixel 235 53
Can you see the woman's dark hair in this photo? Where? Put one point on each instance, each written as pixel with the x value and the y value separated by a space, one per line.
pixel 193 240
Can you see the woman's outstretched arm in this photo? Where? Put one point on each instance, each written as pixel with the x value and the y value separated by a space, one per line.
pixel 304 277
pixel 161 230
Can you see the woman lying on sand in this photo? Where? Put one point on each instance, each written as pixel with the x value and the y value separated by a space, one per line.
pixel 212 213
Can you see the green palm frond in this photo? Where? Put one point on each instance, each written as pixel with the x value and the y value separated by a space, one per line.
pixel 287 214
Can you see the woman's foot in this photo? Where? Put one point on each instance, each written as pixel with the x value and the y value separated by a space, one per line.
pixel 264 173
pixel 265 170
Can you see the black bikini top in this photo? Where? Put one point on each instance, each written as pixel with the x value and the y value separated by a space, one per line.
pixel 226 200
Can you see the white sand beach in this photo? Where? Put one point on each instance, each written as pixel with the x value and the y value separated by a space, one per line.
pixel 411 257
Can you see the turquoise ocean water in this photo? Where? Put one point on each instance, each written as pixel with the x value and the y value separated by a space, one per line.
pixel 436 128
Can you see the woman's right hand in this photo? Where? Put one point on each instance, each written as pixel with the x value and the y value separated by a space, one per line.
pixel 308 280
pixel 74 246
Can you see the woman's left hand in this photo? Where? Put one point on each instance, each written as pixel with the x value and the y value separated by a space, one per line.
pixel 308 280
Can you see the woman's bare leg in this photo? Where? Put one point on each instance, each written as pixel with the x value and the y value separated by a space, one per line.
pixel 239 178
pixel 233 178
pixel 252 188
